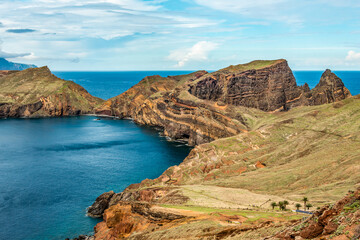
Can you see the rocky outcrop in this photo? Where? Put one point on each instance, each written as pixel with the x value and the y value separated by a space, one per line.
pixel 329 89
pixel 201 107
pixel 338 221
pixel 271 87
pixel 36 92
pixel 123 219
pixel 101 203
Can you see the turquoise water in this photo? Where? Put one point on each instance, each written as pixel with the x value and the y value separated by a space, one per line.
pixel 52 169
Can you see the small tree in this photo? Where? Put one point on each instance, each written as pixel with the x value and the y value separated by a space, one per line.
pixel 285 204
pixel 298 205
pixel 281 205
pixel 273 205
pixel 305 200
pixel 308 206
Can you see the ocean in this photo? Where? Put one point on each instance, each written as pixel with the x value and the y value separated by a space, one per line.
pixel 52 169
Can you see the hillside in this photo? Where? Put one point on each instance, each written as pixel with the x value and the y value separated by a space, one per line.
pixel 246 157
pixel 7 65
pixel 36 92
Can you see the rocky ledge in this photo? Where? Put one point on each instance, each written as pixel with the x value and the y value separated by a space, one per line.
pixel 36 92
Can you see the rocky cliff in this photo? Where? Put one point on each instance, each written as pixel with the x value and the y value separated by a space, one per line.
pixel 36 92
pixel 201 107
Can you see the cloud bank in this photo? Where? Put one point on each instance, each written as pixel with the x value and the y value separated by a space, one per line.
pixel 198 52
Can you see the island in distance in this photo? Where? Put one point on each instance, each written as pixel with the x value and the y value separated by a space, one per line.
pixel 7 65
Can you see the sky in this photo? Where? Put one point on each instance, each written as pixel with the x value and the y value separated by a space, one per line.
pixel 115 35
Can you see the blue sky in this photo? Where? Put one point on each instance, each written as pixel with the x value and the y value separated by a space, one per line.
pixel 180 34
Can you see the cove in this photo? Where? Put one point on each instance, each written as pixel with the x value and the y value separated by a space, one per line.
pixel 51 170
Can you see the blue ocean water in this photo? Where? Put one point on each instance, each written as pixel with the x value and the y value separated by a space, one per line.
pixel 52 169
pixel 110 84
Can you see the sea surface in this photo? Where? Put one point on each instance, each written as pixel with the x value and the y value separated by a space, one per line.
pixel 51 170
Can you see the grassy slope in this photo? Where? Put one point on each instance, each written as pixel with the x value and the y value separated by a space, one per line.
pixel 254 65
pixel 308 151
pixel 312 151
pixel 28 86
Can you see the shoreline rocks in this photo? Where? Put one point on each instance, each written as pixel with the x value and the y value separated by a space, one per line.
pixel 101 203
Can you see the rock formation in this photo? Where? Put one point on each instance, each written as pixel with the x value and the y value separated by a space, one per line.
pixel 36 92
pixel 201 107
pixel 101 203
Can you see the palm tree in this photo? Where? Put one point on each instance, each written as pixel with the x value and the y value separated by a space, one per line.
pixel 285 204
pixel 273 205
pixel 308 206
pixel 305 200
pixel 298 205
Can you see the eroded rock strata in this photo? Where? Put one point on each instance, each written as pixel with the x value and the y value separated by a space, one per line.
pixel 36 92
pixel 201 107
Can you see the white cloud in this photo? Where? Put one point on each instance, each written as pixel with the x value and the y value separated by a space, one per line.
pixel 198 52
pixel 353 56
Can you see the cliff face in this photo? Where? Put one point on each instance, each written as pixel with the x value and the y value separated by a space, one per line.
pixel 201 107
pixel 266 85
pixel 36 92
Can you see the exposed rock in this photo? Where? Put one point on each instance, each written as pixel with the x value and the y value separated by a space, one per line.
pixel 268 87
pixel 201 107
pixel 36 92
pixel 123 219
pixel 101 203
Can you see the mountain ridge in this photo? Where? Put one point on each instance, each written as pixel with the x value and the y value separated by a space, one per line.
pixel 7 65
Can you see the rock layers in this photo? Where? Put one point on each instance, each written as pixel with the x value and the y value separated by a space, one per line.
pixel 36 92
pixel 201 107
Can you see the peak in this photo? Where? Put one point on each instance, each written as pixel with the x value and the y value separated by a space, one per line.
pixel 327 71
pixel 328 78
